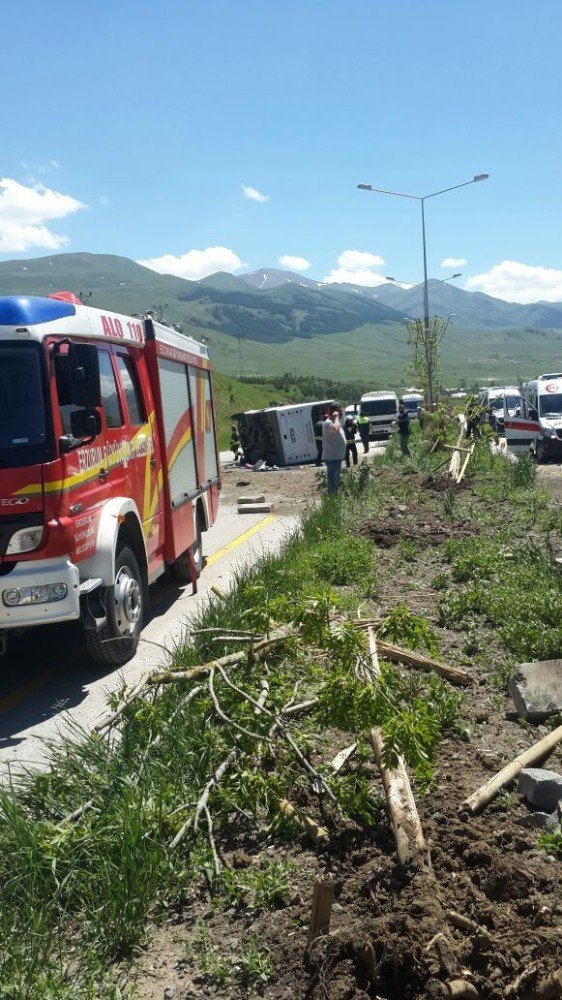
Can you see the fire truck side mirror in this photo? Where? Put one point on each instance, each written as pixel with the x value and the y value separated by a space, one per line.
pixel 85 423
pixel 87 372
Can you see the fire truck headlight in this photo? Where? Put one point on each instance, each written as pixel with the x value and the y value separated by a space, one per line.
pixel 25 540
pixel 15 598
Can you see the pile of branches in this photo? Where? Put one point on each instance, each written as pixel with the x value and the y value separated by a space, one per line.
pixel 248 712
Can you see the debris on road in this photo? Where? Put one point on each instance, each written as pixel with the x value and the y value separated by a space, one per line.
pixel 536 689
pixel 255 508
pixel 257 498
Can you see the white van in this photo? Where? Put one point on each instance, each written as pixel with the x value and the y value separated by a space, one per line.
pixel 499 399
pixel 412 403
pixel 537 427
pixel 382 410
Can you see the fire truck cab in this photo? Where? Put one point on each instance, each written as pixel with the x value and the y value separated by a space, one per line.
pixel 109 468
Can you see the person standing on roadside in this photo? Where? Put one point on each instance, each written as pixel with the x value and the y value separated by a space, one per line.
pixel 404 429
pixel 333 449
pixel 364 431
pixel 473 416
pixel 318 428
pixel 235 442
pixel 350 429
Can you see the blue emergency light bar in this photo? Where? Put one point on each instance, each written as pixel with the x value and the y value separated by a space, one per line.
pixel 29 310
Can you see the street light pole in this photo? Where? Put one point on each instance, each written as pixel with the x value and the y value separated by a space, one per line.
pixel 422 199
pixel 425 285
pixel 442 281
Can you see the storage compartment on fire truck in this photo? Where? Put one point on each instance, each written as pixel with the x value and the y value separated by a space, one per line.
pixel 186 426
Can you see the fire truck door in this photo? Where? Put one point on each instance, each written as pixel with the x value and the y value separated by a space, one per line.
pixel 113 470
pixel 145 479
pixel 85 479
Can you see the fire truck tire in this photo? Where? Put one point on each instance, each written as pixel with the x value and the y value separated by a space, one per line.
pixel 116 641
pixel 182 567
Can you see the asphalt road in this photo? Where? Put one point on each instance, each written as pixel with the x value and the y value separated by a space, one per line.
pixel 47 683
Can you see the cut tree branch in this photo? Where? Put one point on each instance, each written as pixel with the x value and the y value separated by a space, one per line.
pixel 404 817
pixel 537 752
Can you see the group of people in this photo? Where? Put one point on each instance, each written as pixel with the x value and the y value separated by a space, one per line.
pixel 335 434
pixel 349 425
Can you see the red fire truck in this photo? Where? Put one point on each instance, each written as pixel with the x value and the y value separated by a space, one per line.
pixel 109 469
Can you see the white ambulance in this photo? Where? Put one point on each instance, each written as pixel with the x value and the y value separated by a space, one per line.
pixel 537 427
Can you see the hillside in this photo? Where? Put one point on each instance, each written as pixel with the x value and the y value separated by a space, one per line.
pixel 472 309
pixel 232 396
pixel 290 323
pixel 222 303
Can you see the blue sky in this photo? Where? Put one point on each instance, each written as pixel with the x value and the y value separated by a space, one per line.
pixel 155 116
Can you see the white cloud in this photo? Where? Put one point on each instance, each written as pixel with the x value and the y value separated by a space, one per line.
pixel 517 282
pixel 357 268
pixel 103 200
pixel 294 263
pixel 253 194
pixel 195 264
pixel 454 262
pixel 24 210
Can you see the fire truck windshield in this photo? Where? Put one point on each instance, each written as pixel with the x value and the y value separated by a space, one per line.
pixel 23 432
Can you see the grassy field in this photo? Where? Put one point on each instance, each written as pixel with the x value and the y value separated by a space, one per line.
pixel 378 355
pixel 232 396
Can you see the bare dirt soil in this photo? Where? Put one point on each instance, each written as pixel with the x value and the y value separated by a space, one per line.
pixel 289 489
pixel 387 936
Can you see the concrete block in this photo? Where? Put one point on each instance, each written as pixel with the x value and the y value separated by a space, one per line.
pixel 542 788
pixel 259 498
pixel 255 508
pixel 536 689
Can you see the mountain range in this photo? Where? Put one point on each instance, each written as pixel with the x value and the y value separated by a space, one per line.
pixel 473 310
pixel 271 321
pixel 268 305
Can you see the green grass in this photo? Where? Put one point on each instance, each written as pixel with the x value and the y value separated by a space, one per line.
pixel 377 355
pixel 78 896
pixel 232 396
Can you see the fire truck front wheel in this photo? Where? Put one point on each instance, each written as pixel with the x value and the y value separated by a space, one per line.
pixel 116 641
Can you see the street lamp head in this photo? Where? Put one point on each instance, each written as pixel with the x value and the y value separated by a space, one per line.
pixel 480 177
pixel 387 277
pixel 457 275
pixel 365 187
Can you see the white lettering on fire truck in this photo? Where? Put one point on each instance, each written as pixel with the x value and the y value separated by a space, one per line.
pixel 115 452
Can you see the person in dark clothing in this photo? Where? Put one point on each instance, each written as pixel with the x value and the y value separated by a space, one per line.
pixel 403 422
pixel 350 429
pixel 318 430
pixel 364 432
pixel 235 442
pixel 473 415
